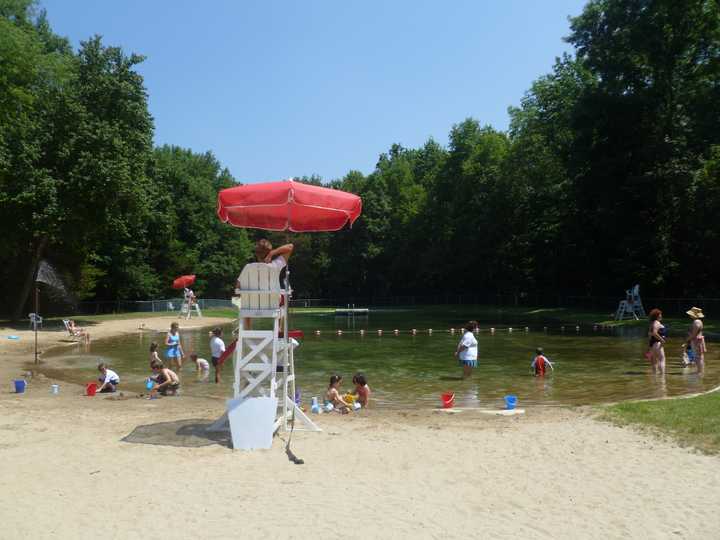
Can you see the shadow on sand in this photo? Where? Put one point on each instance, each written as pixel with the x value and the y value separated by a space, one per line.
pixel 190 433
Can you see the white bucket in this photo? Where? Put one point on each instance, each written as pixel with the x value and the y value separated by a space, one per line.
pixel 55 389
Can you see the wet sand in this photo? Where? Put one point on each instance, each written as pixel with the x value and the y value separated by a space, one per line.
pixel 74 465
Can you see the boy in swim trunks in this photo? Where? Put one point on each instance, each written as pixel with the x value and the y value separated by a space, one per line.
pixel 167 381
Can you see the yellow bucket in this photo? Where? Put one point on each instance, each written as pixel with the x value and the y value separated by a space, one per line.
pixel 349 398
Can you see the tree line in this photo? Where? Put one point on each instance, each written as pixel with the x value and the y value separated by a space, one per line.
pixel 608 175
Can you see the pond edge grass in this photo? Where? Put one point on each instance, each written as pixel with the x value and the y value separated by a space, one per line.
pixel 691 421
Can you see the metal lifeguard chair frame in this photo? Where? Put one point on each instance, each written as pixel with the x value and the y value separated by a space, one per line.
pixel 264 365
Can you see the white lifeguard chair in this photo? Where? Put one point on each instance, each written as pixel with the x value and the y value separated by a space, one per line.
pixel 189 305
pixel 263 364
pixel 632 306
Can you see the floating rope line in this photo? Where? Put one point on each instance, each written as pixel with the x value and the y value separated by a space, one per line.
pixel 452 331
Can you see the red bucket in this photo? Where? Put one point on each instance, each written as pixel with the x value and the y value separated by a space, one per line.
pixel 448 400
pixel 90 389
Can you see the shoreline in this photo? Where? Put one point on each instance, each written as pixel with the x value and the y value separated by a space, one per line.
pixel 18 355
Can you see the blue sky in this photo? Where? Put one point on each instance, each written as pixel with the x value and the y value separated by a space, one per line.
pixel 277 89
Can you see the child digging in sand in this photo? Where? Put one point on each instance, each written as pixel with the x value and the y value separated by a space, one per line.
pixel 166 380
pixel 108 379
pixel 203 367
pixel 334 397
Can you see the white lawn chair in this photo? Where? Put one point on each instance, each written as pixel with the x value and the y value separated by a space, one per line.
pixel 35 320
pixel 77 334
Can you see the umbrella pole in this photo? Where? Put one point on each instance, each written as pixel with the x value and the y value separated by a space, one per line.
pixel 35 324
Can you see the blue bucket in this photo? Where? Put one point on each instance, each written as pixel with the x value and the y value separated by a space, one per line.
pixel 510 402
pixel 20 385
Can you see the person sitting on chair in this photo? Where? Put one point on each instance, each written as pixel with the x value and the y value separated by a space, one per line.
pixel 189 296
pixel 77 331
pixel 277 257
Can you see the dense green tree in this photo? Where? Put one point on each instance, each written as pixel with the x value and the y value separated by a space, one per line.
pixel 607 176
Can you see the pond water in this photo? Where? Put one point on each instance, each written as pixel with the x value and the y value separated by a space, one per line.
pixel 591 365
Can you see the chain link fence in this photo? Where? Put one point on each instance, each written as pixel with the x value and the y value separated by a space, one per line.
pixel 601 304
pixel 165 305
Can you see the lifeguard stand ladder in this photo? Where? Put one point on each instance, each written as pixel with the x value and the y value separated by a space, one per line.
pixel 187 308
pixel 263 361
pixel 632 306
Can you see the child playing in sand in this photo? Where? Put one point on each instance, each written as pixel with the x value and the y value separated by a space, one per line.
pixel 108 379
pixel 166 380
pixel 334 397
pixel 203 367
pixel 540 363
pixel 362 390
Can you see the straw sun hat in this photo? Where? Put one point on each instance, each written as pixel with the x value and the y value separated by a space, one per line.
pixel 695 313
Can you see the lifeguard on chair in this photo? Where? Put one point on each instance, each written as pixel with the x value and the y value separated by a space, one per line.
pixel 264 365
pixel 632 306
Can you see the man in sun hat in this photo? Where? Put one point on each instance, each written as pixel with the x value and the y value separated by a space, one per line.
pixel 695 340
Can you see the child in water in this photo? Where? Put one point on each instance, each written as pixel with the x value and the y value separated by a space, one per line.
pixel 203 367
pixel 334 397
pixel 362 390
pixel 540 363
pixel 153 353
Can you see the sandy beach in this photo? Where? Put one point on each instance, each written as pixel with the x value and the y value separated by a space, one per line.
pixel 129 467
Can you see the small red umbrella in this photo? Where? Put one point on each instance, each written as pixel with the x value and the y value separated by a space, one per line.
pixel 288 206
pixel 183 281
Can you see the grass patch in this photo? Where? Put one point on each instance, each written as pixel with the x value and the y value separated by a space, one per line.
pixel 691 422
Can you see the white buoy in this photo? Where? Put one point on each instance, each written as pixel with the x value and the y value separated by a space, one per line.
pixel 562 328
pixel 492 330
pixel 577 328
pixel 527 329
pixel 430 331
pixel 452 330
pixel 510 330
pixel 339 332
pixel 396 332
pixel 362 332
pixel 317 332
pixel 544 328
pixel 414 332
pixel 379 332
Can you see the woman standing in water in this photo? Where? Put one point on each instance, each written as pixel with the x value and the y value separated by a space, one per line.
pixel 696 340
pixel 656 335
pixel 467 349
pixel 174 352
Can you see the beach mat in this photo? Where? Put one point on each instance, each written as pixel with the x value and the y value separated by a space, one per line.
pixel 190 433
